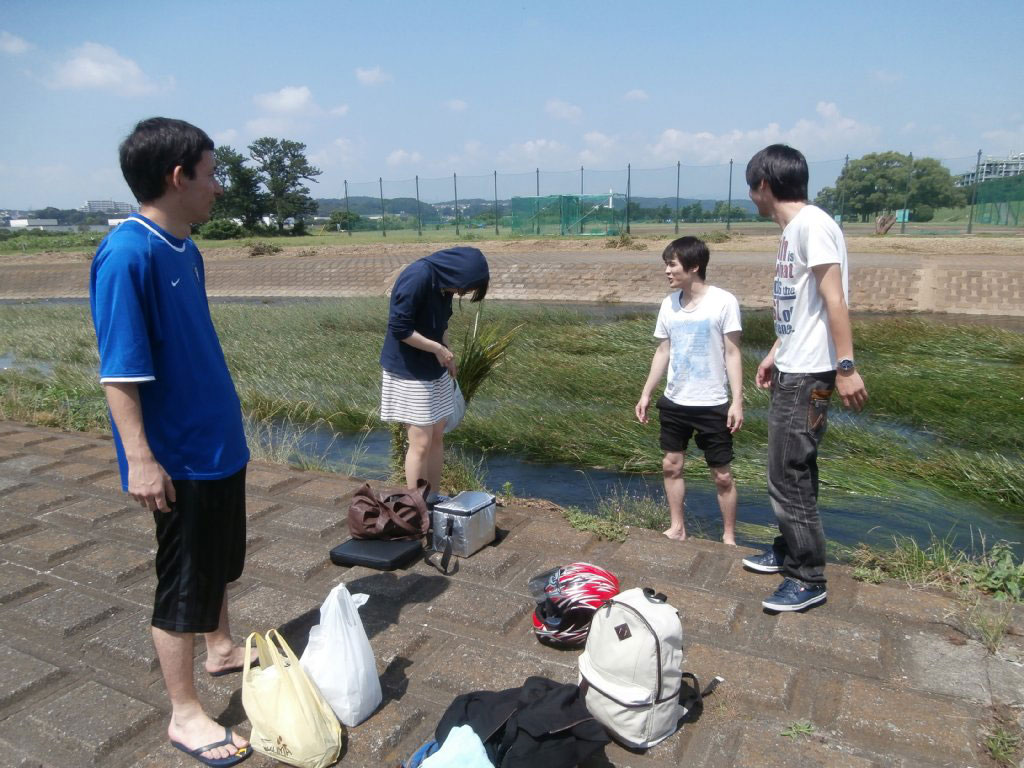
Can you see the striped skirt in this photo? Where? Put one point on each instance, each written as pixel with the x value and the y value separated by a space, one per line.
pixel 410 401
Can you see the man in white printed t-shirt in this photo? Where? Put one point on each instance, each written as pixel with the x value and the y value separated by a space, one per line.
pixel 699 332
pixel 812 356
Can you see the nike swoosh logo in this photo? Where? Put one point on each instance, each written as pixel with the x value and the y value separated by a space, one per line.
pixel 174 283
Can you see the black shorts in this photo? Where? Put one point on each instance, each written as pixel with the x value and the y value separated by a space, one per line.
pixel 200 549
pixel 679 422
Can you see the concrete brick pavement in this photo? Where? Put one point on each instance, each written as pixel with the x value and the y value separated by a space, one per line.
pixel 880 282
pixel 883 674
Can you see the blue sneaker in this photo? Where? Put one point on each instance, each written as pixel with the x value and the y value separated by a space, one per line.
pixel 792 596
pixel 766 562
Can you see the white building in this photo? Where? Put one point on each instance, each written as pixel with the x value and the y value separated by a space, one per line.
pixel 33 223
pixel 108 206
pixel 994 168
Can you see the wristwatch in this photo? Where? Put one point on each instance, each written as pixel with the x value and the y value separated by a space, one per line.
pixel 845 365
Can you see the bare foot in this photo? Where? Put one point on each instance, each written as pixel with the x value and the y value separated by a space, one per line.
pixel 197 730
pixel 730 540
pixel 676 534
pixel 219 665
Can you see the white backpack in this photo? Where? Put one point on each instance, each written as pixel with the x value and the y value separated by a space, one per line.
pixel 631 671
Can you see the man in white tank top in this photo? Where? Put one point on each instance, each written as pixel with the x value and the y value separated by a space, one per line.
pixel 812 357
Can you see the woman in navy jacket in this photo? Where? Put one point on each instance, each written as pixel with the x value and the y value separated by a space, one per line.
pixel 418 363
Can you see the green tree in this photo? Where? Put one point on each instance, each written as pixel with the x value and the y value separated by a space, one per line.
pixel 828 198
pixel 242 198
pixel 344 220
pixel 877 183
pixel 282 167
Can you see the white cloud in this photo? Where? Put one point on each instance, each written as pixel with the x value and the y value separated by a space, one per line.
pixel 373 76
pixel 12 44
pixel 637 94
pixel 291 98
pixel 225 137
pixel 472 155
pixel 884 76
pixel 1000 141
pixel 597 148
pixel 270 126
pixel 95 66
pixel 341 151
pixel 456 105
pixel 533 152
pixel 828 134
pixel 402 157
pixel 562 110
pixel 340 110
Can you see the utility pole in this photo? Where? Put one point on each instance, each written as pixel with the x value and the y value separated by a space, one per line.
pixel 974 193
pixel 906 199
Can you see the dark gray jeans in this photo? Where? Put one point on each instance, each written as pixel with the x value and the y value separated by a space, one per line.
pixel 797 423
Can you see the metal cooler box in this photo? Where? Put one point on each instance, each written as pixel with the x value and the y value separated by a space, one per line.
pixel 466 520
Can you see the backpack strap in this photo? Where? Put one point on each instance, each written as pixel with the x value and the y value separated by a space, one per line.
pixel 691 695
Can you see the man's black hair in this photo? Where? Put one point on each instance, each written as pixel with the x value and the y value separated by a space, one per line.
pixel 785 170
pixel 154 149
pixel 690 252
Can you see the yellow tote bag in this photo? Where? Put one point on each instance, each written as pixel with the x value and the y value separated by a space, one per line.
pixel 291 721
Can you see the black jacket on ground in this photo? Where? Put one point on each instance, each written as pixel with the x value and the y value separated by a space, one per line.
pixel 543 723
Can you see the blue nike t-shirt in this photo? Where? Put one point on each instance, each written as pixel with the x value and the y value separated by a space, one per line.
pixel 147 294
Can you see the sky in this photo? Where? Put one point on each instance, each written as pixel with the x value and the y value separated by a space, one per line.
pixel 396 90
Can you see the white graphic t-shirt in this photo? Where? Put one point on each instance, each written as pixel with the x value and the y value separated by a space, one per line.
pixel 812 238
pixel 696 366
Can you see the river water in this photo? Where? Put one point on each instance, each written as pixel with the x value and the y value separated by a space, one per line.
pixel 848 519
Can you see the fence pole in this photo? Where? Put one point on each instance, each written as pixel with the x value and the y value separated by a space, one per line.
pixel 677 197
pixel 728 207
pixel 383 225
pixel 579 208
pixel 495 202
pixel 629 181
pixel 842 194
pixel 419 216
pixel 906 199
pixel 974 194
pixel 536 205
pixel 348 224
pixel 455 186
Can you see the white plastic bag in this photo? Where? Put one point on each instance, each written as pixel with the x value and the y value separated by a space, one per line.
pixel 338 658
pixel 460 408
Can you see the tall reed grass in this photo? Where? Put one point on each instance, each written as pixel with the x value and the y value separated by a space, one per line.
pixel 946 407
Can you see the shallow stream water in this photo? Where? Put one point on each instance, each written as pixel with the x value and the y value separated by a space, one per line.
pixel 848 519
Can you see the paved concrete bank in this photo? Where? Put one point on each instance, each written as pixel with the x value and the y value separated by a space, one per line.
pixel 884 674
pixel 880 282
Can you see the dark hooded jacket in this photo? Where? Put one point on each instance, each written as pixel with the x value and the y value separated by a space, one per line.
pixel 418 304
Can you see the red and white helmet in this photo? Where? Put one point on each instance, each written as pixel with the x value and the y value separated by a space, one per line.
pixel 567 599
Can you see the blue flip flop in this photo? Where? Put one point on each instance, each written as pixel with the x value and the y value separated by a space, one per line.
pixel 243 753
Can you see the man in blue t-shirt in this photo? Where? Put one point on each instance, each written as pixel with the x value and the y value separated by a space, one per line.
pixel 175 415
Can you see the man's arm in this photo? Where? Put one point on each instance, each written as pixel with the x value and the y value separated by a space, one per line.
pixel 849 385
pixel 734 370
pixel 148 483
pixel 659 364
pixel 763 378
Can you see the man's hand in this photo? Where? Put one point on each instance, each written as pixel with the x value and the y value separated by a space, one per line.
pixel 641 408
pixel 150 485
pixel 734 419
pixel 763 379
pixel 851 389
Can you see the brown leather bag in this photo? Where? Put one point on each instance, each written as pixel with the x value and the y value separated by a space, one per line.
pixel 393 513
